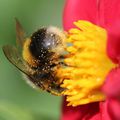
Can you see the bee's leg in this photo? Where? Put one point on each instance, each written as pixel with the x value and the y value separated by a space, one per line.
pixel 66 56
pixel 62 63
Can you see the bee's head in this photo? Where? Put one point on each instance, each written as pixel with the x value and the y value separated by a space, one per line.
pixel 45 43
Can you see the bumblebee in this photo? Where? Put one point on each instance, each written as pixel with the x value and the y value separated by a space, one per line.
pixel 39 57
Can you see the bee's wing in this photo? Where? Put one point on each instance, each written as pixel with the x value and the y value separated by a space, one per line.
pixel 20 34
pixel 14 57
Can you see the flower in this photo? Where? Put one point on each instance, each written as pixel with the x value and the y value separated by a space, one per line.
pixel 88 64
pixel 97 12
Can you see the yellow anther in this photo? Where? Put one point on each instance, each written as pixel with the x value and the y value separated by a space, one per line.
pixel 88 64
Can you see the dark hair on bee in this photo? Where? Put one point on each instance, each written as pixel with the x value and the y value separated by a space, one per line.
pixel 36 45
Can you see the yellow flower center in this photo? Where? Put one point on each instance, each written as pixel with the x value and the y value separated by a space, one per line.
pixel 88 64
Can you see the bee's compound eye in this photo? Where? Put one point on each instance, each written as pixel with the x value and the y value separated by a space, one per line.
pixel 36 47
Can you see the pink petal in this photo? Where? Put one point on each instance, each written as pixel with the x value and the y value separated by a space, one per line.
pixel 114 109
pixel 112 84
pixel 79 10
pixel 113 45
pixel 109 17
pixel 110 109
pixel 104 111
pixel 109 12
pixel 83 112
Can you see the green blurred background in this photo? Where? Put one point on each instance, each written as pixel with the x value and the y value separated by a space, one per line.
pixel 18 101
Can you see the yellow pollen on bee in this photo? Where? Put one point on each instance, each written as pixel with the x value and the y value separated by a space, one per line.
pixel 88 64
pixel 27 56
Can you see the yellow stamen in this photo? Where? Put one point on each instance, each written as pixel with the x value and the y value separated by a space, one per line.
pixel 88 64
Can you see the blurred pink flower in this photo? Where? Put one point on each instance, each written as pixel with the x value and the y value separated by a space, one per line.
pixel 105 13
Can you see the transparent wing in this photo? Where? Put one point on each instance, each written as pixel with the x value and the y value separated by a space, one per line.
pixel 20 34
pixel 36 81
pixel 13 55
pixel 15 58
